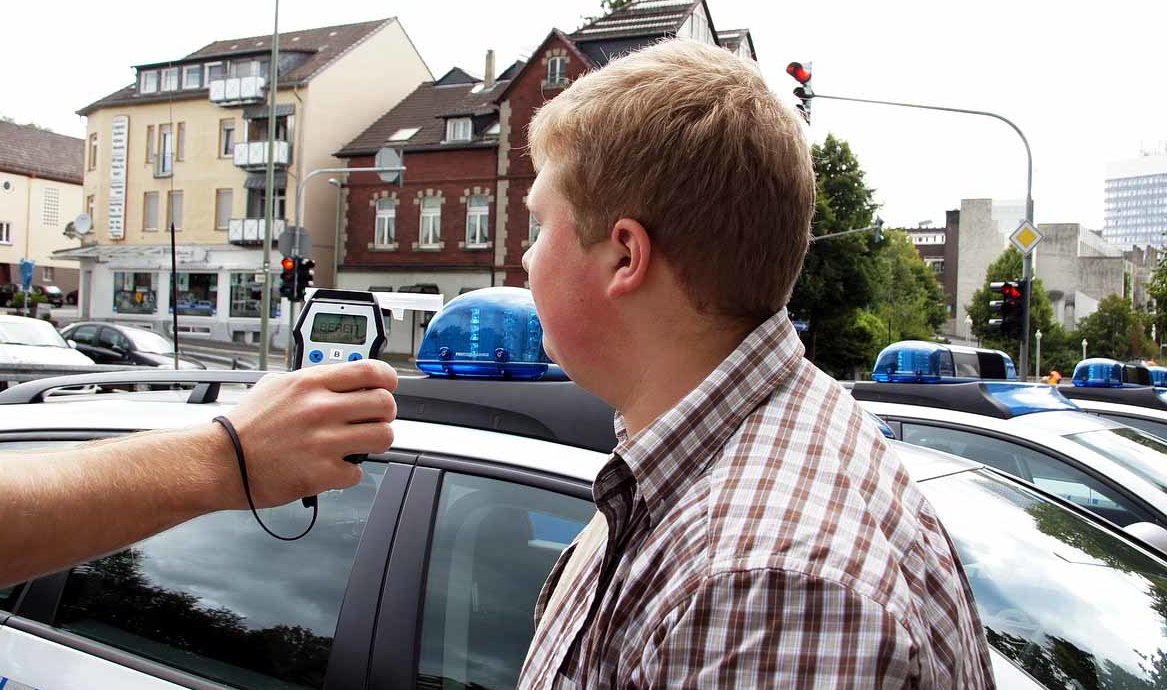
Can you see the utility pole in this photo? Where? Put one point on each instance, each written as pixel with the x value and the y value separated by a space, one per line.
pixel 270 188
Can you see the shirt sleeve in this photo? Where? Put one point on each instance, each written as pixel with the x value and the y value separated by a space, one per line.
pixel 771 628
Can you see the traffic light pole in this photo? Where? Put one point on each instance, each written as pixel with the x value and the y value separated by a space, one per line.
pixel 296 235
pixel 1026 259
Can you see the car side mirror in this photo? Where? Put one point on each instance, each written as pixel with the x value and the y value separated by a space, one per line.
pixel 1149 533
pixel 72 343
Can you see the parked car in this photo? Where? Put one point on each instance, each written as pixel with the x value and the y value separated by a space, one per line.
pixel 109 343
pixel 426 573
pixel 71 297
pixel 25 340
pixel 7 292
pixel 53 294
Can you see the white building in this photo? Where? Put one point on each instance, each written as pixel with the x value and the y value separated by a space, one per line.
pixel 1136 202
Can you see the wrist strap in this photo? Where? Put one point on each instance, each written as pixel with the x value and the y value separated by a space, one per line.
pixel 234 435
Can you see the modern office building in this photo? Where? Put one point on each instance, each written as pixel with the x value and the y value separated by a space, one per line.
pixel 1136 202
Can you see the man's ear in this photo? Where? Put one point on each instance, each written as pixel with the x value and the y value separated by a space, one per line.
pixel 632 254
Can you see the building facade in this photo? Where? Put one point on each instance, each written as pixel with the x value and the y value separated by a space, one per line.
pixel 459 220
pixel 40 197
pixel 187 146
pixel 1136 202
pixel 937 247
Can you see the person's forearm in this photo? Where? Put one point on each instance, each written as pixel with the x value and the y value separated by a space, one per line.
pixel 64 507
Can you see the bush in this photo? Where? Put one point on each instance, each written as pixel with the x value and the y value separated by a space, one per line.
pixel 18 300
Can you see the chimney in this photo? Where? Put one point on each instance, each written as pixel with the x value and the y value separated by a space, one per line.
pixel 488 80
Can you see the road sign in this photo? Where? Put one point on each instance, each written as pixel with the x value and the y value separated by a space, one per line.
pixel 26 269
pixel 287 244
pixel 388 158
pixel 1026 237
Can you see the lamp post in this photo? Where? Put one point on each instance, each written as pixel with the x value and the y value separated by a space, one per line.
pixel 336 243
pixel 1037 356
pixel 1083 348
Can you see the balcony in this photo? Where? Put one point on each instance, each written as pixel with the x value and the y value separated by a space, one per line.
pixel 249 231
pixel 238 90
pixel 252 155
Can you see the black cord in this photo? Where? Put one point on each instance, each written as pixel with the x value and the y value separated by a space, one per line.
pixel 308 502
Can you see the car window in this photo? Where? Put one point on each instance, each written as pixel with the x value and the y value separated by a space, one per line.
pixel 85 335
pixel 9 595
pixel 1047 472
pixel 1151 426
pixel 1137 451
pixel 219 598
pixel 494 543
pixel 1073 604
pixel 111 338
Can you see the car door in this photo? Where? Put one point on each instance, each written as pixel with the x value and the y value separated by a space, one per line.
pixel 217 603
pixel 476 543
pixel 86 338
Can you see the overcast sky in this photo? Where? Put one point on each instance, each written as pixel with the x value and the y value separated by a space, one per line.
pixel 1083 81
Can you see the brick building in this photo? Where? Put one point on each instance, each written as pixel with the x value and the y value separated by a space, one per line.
pixel 937 247
pixel 459 220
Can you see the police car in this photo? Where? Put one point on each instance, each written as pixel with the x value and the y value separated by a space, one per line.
pixel 1028 430
pixel 426 573
pixel 1132 394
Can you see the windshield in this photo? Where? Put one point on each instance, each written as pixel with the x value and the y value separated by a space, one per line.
pixel 1135 450
pixel 30 332
pixel 145 341
pixel 1071 603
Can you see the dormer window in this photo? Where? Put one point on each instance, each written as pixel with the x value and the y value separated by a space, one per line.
pixel 458 129
pixel 192 76
pixel 148 81
pixel 557 70
pixel 170 79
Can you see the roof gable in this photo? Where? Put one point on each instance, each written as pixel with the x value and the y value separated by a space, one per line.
pixel 27 150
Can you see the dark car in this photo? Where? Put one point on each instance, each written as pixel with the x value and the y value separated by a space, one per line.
pixel 53 294
pixel 7 292
pixel 108 343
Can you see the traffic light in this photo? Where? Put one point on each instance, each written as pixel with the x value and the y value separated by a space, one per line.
pixel 804 92
pixel 288 277
pixel 305 273
pixel 1007 314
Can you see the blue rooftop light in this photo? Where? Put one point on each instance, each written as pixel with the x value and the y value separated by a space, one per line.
pixel 913 361
pixel 1024 398
pixel 1098 372
pixel 1158 376
pixel 488 333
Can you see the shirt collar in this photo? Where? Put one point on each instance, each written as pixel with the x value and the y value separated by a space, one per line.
pixel 677 447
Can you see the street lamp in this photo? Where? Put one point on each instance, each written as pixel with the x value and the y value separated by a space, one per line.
pixel 336 240
pixel 1037 356
pixel 1083 348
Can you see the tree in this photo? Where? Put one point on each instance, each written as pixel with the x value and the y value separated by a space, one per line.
pixel 1116 330
pixel 1157 289
pixel 840 275
pixel 1007 266
pixel 909 300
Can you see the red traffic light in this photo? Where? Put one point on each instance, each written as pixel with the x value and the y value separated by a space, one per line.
pixel 288 263
pixel 800 73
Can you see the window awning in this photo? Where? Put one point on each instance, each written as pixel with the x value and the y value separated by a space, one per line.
pixel 259 180
pixel 260 112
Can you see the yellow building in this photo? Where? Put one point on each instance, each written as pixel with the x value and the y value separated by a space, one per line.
pixel 40 195
pixel 187 145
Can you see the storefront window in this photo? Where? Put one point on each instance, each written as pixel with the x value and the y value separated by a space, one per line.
pixel 134 293
pixel 198 294
pixel 247 296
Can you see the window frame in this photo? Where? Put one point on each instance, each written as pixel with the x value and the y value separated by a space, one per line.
pixel 388 214
pixel 5 232
pixel 222 223
pixel 146 204
pixel 477 221
pixel 92 152
pixel 149 78
pixel 227 143
pixel 187 70
pixel 434 227
pixel 168 79
pixel 459 129
pixel 557 70
pixel 171 217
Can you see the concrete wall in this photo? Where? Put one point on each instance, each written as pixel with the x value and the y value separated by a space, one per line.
pixel 1078 270
pixel 980 243
pixel 339 103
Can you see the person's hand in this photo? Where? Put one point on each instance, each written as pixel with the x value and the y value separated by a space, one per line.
pixel 296 429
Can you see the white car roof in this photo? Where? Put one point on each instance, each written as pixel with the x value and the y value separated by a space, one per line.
pixel 1045 429
pixel 1132 410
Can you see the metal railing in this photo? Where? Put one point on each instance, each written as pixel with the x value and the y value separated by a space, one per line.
pixel 250 230
pixel 236 90
pixel 253 154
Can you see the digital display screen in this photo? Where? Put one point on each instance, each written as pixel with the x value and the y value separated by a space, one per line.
pixel 344 329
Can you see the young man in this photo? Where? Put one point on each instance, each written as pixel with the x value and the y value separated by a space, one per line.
pixel 757 530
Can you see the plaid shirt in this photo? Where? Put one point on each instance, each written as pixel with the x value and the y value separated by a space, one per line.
pixel 760 533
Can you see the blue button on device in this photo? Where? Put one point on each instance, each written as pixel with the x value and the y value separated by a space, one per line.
pixel 315 356
pixel 354 357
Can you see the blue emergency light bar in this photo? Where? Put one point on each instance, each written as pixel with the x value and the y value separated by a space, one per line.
pixel 1102 372
pixel 1158 376
pixel 487 333
pixel 913 361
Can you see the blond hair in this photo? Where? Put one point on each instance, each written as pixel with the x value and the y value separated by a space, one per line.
pixel 685 138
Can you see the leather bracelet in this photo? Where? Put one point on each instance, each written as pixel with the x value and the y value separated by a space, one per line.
pixel 308 502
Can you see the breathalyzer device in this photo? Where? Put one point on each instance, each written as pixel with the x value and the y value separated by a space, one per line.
pixel 338 326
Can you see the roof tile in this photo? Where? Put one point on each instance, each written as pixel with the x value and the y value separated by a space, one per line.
pixel 26 150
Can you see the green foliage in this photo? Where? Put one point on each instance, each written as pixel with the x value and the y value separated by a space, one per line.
pixel 840 275
pixel 1157 289
pixel 910 299
pixel 34 299
pixel 1116 330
